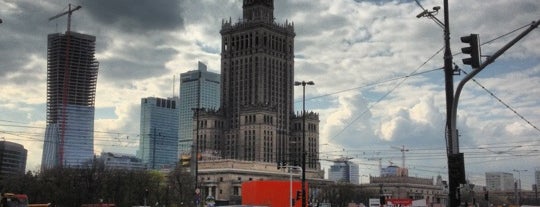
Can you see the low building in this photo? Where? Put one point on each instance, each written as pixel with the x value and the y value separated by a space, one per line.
pixel 395 187
pixel 12 159
pixel 223 178
pixel 121 161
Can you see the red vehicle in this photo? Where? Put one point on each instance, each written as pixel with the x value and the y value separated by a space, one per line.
pixel 272 193
pixel 14 200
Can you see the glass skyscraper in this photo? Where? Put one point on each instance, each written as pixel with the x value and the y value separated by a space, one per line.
pixel 159 133
pixel 71 89
pixel 196 87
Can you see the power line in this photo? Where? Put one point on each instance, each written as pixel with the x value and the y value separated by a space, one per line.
pixel 505 104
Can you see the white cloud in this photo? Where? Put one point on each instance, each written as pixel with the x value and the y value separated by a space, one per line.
pixel 363 48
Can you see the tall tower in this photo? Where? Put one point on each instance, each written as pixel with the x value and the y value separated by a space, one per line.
pixel 72 73
pixel 158 145
pixel 257 73
pixel 198 89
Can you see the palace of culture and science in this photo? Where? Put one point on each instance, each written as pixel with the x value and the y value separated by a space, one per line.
pixel 256 126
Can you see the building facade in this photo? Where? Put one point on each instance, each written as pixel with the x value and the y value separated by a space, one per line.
pixel 256 122
pixel 499 181
pixel 198 89
pixel 112 160
pixel 72 73
pixel 344 171
pixel 158 144
pixel 12 159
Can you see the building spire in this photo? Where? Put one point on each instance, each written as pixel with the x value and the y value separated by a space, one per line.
pixel 258 10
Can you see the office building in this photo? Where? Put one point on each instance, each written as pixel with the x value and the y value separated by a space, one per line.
pixel 344 171
pixel 12 159
pixel 499 181
pixel 198 89
pixel 158 144
pixel 71 89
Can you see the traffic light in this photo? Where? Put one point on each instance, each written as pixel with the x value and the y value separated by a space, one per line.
pixel 185 160
pixel 281 164
pixel 298 195
pixel 382 200
pixel 473 50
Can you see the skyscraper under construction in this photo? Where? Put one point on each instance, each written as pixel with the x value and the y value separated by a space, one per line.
pixel 72 73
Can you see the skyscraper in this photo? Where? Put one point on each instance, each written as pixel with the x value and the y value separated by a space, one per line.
pixel 158 144
pixel 71 88
pixel 256 120
pixel 198 89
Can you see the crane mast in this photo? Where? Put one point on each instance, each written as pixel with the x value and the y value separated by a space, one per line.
pixel 403 150
pixel 65 87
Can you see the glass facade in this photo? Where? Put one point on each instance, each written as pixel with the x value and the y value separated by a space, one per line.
pixel 190 95
pixel 159 133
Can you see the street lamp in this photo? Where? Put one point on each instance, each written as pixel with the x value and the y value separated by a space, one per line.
pixel 519 185
pixel 303 84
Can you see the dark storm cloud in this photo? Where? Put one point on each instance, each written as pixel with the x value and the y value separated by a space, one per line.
pixel 23 36
pixel 137 16
pixel 139 65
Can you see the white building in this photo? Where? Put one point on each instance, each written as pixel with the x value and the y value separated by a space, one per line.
pixel 499 181
pixel 196 87
pixel 113 160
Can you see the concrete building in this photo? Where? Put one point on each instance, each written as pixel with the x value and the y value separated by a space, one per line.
pixel 71 88
pixel 434 193
pixel 198 89
pixel 158 144
pixel 344 171
pixel 499 181
pixel 12 159
pixel 113 160
pixel 256 122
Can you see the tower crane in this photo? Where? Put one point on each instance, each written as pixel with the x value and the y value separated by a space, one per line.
pixel 65 87
pixel 68 12
pixel 403 150
pixel 380 164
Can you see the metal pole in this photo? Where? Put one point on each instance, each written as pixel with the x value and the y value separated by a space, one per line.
pixel 303 144
pixel 452 144
pixel 303 84
pixel 290 187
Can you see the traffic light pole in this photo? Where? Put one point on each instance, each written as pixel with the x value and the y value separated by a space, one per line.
pixel 452 144
pixel 455 159
pixel 488 61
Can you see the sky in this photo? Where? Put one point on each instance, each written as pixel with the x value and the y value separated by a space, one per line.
pixel 377 68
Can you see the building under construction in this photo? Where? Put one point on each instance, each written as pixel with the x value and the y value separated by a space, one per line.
pixel 72 73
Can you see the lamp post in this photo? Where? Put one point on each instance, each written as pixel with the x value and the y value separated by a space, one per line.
pixel 303 84
pixel 519 185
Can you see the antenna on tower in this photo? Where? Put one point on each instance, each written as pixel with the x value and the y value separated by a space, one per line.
pixel 173 85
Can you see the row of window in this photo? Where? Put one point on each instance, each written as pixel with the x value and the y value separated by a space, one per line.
pixel 256 40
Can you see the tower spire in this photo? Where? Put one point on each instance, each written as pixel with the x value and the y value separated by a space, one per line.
pixel 258 10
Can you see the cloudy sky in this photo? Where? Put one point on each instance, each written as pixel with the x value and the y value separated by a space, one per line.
pixel 378 87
